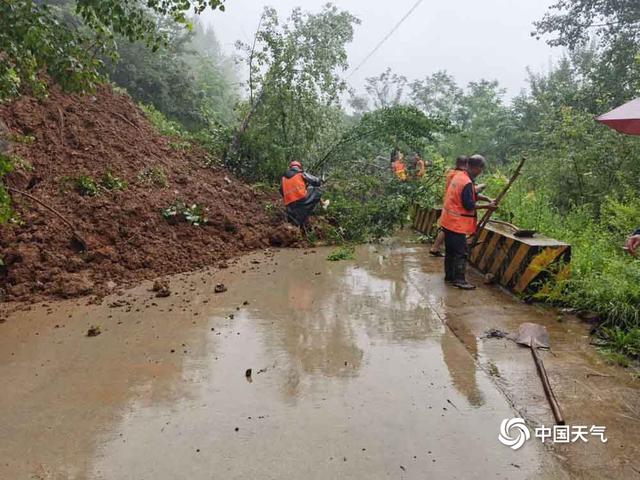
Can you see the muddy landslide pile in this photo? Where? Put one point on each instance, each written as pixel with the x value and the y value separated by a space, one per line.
pixel 66 141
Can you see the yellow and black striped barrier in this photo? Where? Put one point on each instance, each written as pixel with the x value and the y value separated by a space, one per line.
pixel 425 220
pixel 514 262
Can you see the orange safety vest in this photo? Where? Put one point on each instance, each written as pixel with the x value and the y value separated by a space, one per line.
pixel 294 188
pixel 421 168
pixel 400 170
pixel 450 174
pixel 455 217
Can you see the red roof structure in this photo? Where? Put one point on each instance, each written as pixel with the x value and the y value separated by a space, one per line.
pixel 625 119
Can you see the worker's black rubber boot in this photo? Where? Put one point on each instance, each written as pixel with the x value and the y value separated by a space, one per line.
pixel 449 269
pixel 460 275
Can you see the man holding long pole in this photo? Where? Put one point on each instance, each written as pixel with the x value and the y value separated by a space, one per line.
pixel 459 219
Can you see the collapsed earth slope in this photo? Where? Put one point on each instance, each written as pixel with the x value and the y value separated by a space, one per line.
pixel 69 137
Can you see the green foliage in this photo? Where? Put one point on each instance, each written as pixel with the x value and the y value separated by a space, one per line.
pixel 179 211
pixel 437 95
pixel 189 80
pixel 367 207
pixel 621 341
pixel 32 39
pixel 603 278
pixel 293 88
pixel 63 39
pixel 133 20
pixel 154 176
pixel 23 139
pixel 6 166
pixel 162 124
pixel 345 252
pixel 573 21
pixel 377 132
pixel 212 139
pixel 181 145
pixel 387 89
pixel 111 182
pixel 86 186
pixel 484 123
pixel 615 358
pixel 610 25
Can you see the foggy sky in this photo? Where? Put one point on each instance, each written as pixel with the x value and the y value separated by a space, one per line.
pixel 471 39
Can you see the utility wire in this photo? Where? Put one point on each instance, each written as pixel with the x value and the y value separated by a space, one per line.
pixel 387 36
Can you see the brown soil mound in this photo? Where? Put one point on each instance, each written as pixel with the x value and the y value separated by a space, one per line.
pixel 128 238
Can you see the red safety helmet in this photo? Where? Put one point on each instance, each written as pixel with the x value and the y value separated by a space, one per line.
pixel 295 163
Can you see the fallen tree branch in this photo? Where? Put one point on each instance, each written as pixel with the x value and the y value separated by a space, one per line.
pixel 61 125
pixel 122 117
pixel 79 238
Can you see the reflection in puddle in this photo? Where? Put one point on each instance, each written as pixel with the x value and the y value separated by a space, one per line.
pixel 358 375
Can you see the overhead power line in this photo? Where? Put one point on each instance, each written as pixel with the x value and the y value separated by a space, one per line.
pixel 386 37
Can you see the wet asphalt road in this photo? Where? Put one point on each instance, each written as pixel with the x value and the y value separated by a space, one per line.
pixel 360 369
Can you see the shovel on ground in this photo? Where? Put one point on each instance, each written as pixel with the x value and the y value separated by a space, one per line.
pixel 536 336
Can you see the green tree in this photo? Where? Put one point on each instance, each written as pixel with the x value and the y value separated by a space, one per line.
pixel 387 89
pixel 615 24
pixel 39 35
pixel 189 79
pixel 294 87
pixel 437 95
pixel 484 123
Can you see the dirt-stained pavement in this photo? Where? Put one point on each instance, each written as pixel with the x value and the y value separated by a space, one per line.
pixel 361 369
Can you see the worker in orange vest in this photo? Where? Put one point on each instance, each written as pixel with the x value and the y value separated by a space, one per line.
pixel 301 193
pixel 398 166
pixel 419 165
pixel 459 219
pixel 461 164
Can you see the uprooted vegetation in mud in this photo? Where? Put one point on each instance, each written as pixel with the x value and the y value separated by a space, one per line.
pixel 143 207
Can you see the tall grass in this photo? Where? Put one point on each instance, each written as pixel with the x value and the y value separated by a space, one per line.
pixel 604 279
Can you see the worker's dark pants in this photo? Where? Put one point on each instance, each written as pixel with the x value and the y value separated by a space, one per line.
pixel 298 212
pixel 455 257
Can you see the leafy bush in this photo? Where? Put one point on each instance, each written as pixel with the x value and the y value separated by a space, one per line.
pixel 603 278
pixel 63 38
pixel 161 123
pixel 346 252
pixel 86 186
pixel 33 39
pixel 213 139
pixel 621 341
pixel 111 182
pixel 367 207
pixel 23 139
pixel 6 165
pixel 181 212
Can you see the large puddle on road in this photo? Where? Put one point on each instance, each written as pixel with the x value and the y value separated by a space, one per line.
pixel 353 375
